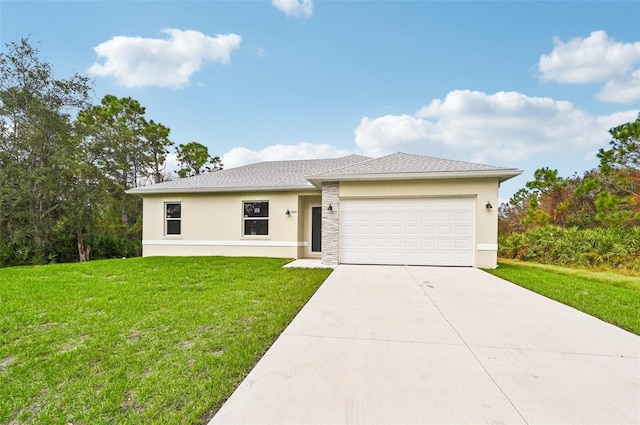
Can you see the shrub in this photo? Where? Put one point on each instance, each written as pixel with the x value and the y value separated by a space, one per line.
pixel 598 247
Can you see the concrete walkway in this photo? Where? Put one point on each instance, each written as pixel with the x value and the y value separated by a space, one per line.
pixel 420 345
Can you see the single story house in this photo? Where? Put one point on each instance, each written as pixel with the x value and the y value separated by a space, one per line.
pixel 398 209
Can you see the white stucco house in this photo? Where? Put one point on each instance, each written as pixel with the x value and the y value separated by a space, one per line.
pixel 398 209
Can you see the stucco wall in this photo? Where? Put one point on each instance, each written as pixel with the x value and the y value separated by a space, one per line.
pixel 212 224
pixel 483 190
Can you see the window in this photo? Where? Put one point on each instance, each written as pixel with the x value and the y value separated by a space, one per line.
pixel 173 218
pixel 256 218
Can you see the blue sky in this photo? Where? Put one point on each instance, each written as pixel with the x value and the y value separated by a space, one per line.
pixel 512 83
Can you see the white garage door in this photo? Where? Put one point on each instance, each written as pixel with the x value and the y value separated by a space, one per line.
pixel 424 231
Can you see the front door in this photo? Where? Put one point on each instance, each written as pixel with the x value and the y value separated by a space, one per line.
pixel 316 229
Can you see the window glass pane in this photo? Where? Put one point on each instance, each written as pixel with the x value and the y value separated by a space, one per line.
pixel 173 210
pixel 256 209
pixel 256 227
pixel 173 227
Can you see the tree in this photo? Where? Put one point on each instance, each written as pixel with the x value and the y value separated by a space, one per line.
pixel 608 196
pixel 36 146
pixel 549 202
pixel 511 215
pixel 193 159
pixel 624 153
pixel 128 150
pixel 618 200
pixel 157 137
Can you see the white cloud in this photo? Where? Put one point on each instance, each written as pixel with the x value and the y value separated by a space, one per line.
pixel 144 62
pixel 622 90
pixel 304 150
pixel 494 128
pixel 595 59
pixel 390 133
pixel 500 128
pixel 295 8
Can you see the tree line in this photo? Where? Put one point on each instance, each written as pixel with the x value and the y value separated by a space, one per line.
pixel 66 163
pixel 591 219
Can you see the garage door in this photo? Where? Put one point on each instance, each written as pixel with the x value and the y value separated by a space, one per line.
pixel 424 231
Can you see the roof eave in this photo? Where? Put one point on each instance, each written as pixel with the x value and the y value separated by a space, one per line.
pixel 502 175
pixel 162 191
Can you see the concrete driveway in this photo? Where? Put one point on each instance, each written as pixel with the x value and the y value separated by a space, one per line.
pixel 419 345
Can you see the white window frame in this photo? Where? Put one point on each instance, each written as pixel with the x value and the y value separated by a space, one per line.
pixel 246 217
pixel 168 219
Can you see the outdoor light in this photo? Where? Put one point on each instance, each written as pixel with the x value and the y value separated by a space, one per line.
pixel 288 212
pixel 330 208
pixel 488 206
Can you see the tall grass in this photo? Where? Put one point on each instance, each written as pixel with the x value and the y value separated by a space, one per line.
pixel 599 247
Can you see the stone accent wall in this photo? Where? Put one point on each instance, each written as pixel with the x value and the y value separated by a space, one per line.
pixel 330 222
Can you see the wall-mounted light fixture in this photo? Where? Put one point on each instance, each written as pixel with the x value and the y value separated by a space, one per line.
pixel 489 206
pixel 288 212
pixel 330 208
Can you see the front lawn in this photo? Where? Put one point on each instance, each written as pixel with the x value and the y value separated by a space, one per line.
pixel 144 340
pixel 609 297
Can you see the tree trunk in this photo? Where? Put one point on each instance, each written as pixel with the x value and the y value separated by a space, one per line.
pixel 83 251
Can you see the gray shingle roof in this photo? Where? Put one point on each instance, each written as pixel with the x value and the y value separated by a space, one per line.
pixel 280 175
pixel 308 174
pixel 400 162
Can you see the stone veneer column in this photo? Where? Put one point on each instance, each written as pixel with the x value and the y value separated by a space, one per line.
pixel 330 222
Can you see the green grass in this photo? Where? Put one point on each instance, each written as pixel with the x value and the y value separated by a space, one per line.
pixel 144 340
pixel 614 299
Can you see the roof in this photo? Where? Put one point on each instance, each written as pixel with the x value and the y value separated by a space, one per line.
pixel 269 175
pixel 408 166
pixel 309 174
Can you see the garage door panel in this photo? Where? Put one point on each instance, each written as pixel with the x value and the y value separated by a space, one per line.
pixel 396 243
pixel 429 217
pixel 463 244
pixel 428 244
pixel 396 230
pixel 379 243
pixel 445 230
pixel 425 231
pixel 412 243
pixel 445 244
pixel 411 229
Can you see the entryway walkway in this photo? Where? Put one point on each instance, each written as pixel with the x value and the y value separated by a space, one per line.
pixel 432 345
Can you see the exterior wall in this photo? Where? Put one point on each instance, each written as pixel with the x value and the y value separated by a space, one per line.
pixel 483 190
pixel 330 222
pixel 212 224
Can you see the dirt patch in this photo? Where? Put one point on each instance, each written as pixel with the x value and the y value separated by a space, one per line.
pixel 130 404
pixel 7 361
pixel 73 345
pixel 47 325
pixel 186 344
pixel 134 337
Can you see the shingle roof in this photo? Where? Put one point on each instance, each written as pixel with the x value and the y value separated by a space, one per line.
pixel 404 165
pixel 282 175
pixel 308 174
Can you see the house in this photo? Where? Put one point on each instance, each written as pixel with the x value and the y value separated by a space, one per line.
pixel 397 209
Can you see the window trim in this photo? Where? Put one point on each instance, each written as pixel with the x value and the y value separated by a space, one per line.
pixel 168 219
pixel 245 218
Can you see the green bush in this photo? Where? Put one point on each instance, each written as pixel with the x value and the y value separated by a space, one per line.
pixel 65 249
pixel 599 247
